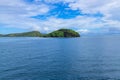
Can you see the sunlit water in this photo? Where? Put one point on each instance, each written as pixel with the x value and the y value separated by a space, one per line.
pixel 85 58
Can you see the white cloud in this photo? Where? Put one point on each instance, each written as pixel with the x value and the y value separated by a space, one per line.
pixel 109 8
pixel 21 8
pixel 17 13
pixel 83 31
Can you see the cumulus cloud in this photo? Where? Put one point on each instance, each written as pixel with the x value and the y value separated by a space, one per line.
pixel 83 31
pixel 19 14
pixel 109 8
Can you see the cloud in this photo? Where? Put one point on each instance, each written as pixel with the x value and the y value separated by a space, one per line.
pixel 109 8
pixel 22 8
pixel 19 14
pixel 83 31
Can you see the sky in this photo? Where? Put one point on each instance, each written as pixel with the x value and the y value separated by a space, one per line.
pixel 84 16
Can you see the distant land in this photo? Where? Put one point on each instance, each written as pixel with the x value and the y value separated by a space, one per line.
pixel 57 33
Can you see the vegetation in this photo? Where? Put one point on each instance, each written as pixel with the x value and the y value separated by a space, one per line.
pixel 63 33
pixel 0 35
pixel 26 34
pixel 57 33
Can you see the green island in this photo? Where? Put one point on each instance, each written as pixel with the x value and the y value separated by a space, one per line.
pixel 1 35
pixel 57 33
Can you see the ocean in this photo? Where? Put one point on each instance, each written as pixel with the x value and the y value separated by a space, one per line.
pixel 84 58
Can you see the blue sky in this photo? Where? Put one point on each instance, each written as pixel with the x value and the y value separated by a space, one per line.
pixel 84 16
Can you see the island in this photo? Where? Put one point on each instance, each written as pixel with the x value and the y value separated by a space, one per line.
pixel 63 33
pixel 57 33
pixel 1 35
pixel 25 34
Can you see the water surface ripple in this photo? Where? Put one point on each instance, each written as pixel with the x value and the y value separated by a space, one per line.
pixel 85 58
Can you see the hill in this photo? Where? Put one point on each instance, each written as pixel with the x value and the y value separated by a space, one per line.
pixel 0 35
pixel 63 33
pixel 57 33
pixel 25 34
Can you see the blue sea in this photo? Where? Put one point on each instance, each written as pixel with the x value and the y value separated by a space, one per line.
pixel 84 58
